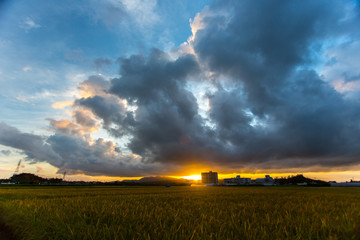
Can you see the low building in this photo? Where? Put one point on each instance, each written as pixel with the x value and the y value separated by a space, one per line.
pixel 345 184
pixel 209 177
pixel 267 181
pixel 7 183
pixel 236 181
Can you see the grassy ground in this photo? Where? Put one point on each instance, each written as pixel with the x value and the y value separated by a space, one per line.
pixel 181 212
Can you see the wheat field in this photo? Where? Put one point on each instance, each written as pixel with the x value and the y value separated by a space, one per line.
pixel 181 212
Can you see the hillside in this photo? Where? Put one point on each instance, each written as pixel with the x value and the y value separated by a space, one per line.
pixel 299 179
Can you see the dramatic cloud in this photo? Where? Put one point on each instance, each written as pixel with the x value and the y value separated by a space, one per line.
pixel 97 157
pixel 32 145
pixel 278 107
pixel 84 124
pixel 259 84
pixel 93 86
pixel 159 115
pixel 76 154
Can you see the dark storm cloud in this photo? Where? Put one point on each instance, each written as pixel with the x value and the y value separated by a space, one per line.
pixel 165 125
pixel 278 109
pixel 261 38
pixel 83 119
pixel 262 47
pixel 168 127
pixel 312 122
pixel 153 78
pixel 98 158
pixel 34 146
pixel 94 85
pixel 110 110
pixel 268 109
pixel 74 153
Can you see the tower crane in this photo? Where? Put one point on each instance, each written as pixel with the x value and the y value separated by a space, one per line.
pixel 63 178
pixel 17 168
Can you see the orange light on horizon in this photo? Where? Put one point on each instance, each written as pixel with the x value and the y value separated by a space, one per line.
pixel 192 177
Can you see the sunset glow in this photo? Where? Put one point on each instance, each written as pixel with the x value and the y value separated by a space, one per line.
pixel 192 177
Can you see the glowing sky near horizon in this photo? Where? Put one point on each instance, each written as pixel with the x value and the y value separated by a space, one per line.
pixel 120 89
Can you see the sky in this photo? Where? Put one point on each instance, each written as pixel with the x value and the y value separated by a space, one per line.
pixel 121 89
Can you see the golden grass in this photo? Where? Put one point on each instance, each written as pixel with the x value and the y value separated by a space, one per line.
pixel 181 212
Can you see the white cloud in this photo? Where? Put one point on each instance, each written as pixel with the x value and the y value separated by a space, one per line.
pixel 27 68
pixel 22 99
pixel 29 23
pixel 343 86
pixel 142 11
pixel 126 12
pixel 342 69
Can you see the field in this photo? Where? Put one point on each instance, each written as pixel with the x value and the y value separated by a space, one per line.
pixel 181 212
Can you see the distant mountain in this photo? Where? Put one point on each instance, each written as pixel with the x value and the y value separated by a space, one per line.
pixel 29 178
pixel 299 179
pixel 158 180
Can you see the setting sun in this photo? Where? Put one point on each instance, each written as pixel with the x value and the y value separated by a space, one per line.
pixel 192 177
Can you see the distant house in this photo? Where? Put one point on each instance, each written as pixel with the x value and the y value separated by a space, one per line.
pixel 345 184
pixel 209 178
pixel 236 181
pixel 267 181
